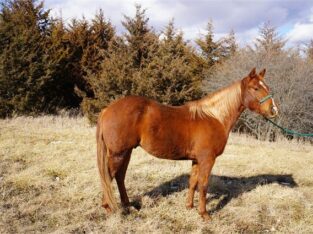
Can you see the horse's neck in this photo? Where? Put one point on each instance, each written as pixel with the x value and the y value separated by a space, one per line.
pixel 224 105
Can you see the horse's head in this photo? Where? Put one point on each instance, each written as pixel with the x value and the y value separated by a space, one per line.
pixel 256 95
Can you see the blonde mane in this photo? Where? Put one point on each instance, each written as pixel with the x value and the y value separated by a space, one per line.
pixel 222 104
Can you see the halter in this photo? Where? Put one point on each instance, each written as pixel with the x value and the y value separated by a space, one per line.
pixel 265 98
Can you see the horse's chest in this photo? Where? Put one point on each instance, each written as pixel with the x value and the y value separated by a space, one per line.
pixel 219 149
pixel 217 145
pixel 211 141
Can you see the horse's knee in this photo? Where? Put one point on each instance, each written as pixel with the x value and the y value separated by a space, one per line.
pixel 118 163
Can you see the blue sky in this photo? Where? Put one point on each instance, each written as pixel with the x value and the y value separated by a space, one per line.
pixel 293 18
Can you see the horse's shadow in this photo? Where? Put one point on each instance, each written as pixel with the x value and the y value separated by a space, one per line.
pixel 223 188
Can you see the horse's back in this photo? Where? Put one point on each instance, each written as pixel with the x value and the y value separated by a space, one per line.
pixel 135 108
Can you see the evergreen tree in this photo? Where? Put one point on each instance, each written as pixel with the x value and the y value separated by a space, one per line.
pixel 94 52
pixel 101 33
pixel 58 59
pixel 174 74
pixel 269 41
pixel 120 72
pixel 24 27
pixel 140 38
pixel 228 45
pixel 89 43
pixel 127 56
pixel 112 82
pixel 210 49
pixel 140 64
pixel 42 61
pixel 78 36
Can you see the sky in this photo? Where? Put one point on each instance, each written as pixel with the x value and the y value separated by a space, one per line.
pixel 292 18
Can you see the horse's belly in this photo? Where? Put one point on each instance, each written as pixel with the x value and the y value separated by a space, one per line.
pixel 164 149
pixel 164 136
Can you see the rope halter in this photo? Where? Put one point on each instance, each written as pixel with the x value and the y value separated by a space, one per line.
pixel 265 98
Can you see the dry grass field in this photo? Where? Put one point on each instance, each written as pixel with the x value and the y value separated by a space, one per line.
pixel 49 183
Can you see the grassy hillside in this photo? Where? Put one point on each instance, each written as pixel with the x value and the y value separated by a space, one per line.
pixel 49 183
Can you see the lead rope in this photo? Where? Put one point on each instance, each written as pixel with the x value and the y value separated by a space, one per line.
pixel 289 131
pixel 284 130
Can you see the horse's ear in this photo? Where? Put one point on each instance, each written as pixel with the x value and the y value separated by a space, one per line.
pixel 262 73
pixel 252 73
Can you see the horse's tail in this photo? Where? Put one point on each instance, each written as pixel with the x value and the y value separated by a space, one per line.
pixel 109 202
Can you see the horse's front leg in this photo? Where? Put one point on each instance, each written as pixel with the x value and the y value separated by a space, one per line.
pixel 205 167
pixel 193 181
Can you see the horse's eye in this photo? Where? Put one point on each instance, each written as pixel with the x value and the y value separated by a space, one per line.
pixel 256 89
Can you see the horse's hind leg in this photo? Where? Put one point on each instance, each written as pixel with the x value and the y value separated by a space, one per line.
pixel 193 181
pixel 120 178
pixel 118 165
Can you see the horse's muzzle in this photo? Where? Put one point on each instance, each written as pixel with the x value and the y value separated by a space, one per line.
pixel 274 110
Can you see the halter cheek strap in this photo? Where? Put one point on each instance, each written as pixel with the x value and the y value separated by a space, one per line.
pixel 265 98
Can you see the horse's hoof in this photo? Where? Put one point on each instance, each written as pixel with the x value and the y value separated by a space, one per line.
pixel 126 211
pixel 132 209
pixel 136 205
pixel 189 206
pixel 206 217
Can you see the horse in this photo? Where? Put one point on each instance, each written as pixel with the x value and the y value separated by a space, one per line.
pixel 196 131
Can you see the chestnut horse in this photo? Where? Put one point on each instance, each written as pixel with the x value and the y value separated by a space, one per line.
pixel 197 131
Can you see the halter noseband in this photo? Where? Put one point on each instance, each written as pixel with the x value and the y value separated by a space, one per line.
pixel 265 98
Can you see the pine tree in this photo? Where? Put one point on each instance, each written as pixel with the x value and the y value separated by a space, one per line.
pixel 101 33
pixel 78 36
pixel 24 27
pixel 139 37
pixel 58 59
pixel 94 51
pixel 115 79
pixel 174 75
pixel 128 55
pixel 269 41
pixel 228 45
pixel 210 49
pixel 124 58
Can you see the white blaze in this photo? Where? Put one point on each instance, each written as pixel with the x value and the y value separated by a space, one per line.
pixel 274 105
pixel 263 85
